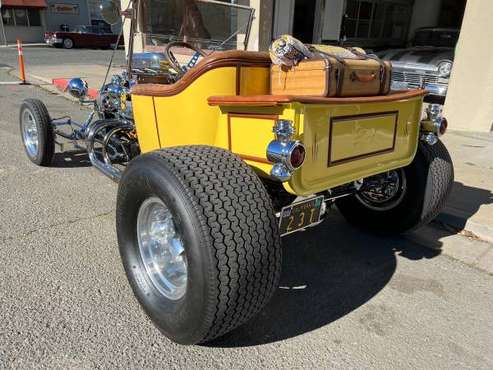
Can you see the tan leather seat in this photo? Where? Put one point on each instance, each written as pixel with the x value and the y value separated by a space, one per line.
pixel 232 58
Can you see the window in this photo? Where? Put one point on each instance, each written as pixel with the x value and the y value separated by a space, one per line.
pixel 8 17
pixel 102 26
pixel 34 17
pixel 365 15
pixel 21 17
pixel 436 37
pixel 374 19
pixel 216 25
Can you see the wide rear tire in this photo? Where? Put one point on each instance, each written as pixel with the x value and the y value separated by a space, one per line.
pixel 428 182
pixel 229 234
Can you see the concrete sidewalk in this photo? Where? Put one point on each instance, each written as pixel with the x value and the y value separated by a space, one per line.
pixel 59 75
pixel 470 206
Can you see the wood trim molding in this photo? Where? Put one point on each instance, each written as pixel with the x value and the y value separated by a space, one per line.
pixel 331 163
pixel 274 100
pixel 233 58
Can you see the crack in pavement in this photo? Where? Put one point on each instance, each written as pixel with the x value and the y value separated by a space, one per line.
pixel 69 222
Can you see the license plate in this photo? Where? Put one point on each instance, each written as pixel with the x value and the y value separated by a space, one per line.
pixel 300 215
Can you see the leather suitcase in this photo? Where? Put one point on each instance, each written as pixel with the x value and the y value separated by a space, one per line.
pixel 333 76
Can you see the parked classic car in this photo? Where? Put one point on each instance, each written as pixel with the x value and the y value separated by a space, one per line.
pixel 213 169
pixel 427 63
pixel 94 36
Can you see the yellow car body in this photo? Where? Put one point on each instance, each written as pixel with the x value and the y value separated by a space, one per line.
pixel 226 103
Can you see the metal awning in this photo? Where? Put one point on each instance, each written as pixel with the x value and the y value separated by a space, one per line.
pixel 23 3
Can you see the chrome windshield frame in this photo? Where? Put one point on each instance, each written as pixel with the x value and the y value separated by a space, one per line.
pixel 237 6
pixel 135 16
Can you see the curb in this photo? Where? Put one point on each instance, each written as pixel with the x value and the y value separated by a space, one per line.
pixel 39 78
pixel 47 84
pixel 35 45
pixel 463 247
pixel 61 84
pixel 459 223
pixel 459 238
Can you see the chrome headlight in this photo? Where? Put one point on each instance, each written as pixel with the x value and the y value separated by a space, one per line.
pixel 77 88
pixel 445 68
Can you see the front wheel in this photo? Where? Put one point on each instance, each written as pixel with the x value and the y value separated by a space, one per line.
pixel 403 199
pixel 37 132
pixel 68 43
pixel 198 240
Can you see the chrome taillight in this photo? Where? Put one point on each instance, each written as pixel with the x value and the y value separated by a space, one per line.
pixel 434 121
pixel 297 156
pixel 442 129
pixel 433 124
pixel 287 154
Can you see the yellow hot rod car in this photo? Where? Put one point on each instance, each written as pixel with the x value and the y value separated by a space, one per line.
pixel 213 169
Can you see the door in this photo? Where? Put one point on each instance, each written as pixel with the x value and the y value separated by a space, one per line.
pixel 304 20
pixel 301 18
pixel 283 18
pixel 89 38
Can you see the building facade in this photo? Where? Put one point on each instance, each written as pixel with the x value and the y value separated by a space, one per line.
pixel 29 19
pixel 23 19
pixel 380 24
pixel 66 12
pixel 366 23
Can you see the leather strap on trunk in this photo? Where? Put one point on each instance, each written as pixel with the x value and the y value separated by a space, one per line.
pixel 383 79
pixel 341 62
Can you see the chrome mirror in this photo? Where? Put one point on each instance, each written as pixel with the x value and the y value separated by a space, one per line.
pixel 110 11
pixel 77 88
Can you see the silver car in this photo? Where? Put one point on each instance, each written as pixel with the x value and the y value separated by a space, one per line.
pixel 427 63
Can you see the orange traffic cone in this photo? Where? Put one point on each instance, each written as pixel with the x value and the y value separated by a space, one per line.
pixel 22 71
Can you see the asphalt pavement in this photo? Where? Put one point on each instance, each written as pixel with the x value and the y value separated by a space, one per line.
pixel 346 299
pixel 48 56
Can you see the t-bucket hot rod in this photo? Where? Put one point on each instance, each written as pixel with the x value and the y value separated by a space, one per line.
pixel 213 169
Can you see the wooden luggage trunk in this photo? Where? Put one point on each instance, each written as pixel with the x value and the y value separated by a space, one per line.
pixel 332 76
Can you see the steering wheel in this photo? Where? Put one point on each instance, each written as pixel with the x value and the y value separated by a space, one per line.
pixel 181 70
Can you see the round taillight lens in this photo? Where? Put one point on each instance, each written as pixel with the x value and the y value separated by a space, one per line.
pixel 443 126
pixel 297 156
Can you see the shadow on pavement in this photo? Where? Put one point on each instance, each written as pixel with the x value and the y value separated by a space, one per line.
pixel 467 200
pixel 328 272
pixel 463 204
pixel 71 159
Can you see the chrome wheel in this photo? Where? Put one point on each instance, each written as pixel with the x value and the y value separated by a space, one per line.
pixel 68 43
pixel 161 249
pixel 30 133
pixel 384 191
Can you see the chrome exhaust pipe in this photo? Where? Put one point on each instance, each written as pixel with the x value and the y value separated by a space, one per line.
pixel 107 138
pixel 107 169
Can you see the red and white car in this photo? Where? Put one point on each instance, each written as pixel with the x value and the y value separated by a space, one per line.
pixel 83 37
